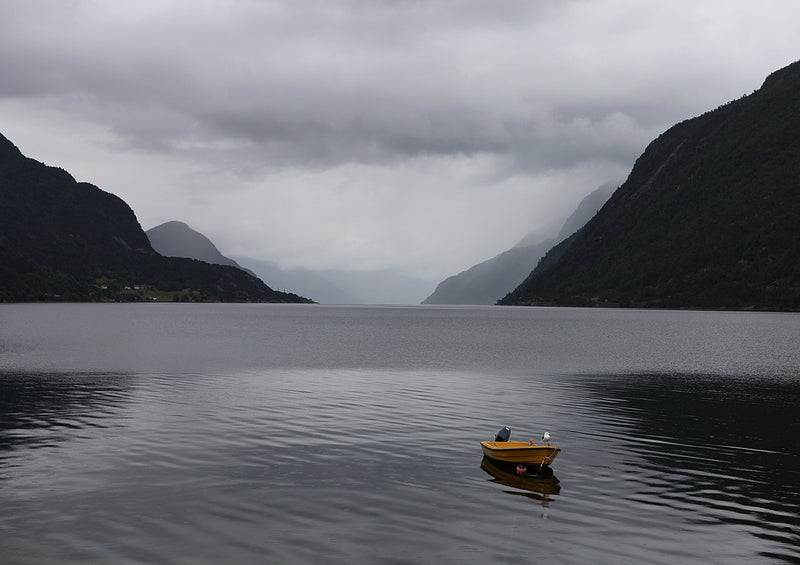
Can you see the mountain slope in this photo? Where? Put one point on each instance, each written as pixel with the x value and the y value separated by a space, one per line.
pixel 65 240
pixel 304 281
pixel 709 217
pixel 485 282
pixel 177 239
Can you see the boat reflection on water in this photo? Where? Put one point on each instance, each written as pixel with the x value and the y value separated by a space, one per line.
pixel 537 486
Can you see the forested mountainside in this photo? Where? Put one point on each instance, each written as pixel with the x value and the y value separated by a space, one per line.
pixel 709 217
pixel 67 240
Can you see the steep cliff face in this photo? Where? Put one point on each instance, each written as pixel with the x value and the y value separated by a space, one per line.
pixel 65 240
pixel 708 217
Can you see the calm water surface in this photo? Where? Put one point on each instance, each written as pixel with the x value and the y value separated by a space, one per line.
pixel 313 434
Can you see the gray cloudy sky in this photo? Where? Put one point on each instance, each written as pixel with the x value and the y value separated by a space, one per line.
pixel 363 134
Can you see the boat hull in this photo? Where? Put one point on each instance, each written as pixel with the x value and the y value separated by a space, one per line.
pixel 520 452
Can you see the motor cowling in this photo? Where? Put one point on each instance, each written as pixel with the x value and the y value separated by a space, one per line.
pixel 503 434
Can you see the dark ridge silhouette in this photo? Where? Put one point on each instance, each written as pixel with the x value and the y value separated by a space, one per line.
pixel 709 217
pixel 67 240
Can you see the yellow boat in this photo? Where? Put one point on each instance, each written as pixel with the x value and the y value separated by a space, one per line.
pixel 520 452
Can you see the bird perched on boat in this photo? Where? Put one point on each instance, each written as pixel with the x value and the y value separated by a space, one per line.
pixel 546 438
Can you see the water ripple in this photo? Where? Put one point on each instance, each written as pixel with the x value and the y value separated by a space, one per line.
pixel 351 465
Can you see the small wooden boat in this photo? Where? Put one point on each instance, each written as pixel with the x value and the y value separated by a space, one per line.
pixel 524 452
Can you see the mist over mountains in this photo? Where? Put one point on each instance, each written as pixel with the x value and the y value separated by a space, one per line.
pixel 487 282
pixel 709 217
pixel 177 239
pixel 63 240
pixel 484 283
pixel 340 286
pixel 328 286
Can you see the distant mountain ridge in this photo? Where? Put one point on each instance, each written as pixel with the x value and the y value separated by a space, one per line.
pixel 305 281
pixel 177 239
pixel 340 286
pixel 67 240
pixel 709 217
pixel 487 282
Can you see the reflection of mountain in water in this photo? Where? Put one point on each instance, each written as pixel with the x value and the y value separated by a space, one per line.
pixel 728 446
pixel 34 407
pixel 539 486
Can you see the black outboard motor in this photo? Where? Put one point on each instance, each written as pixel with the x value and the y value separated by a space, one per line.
pixel 503 434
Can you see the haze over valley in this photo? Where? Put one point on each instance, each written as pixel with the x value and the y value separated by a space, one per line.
pixel 411 138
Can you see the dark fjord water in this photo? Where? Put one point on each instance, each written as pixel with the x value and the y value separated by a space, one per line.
pixel 311 434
